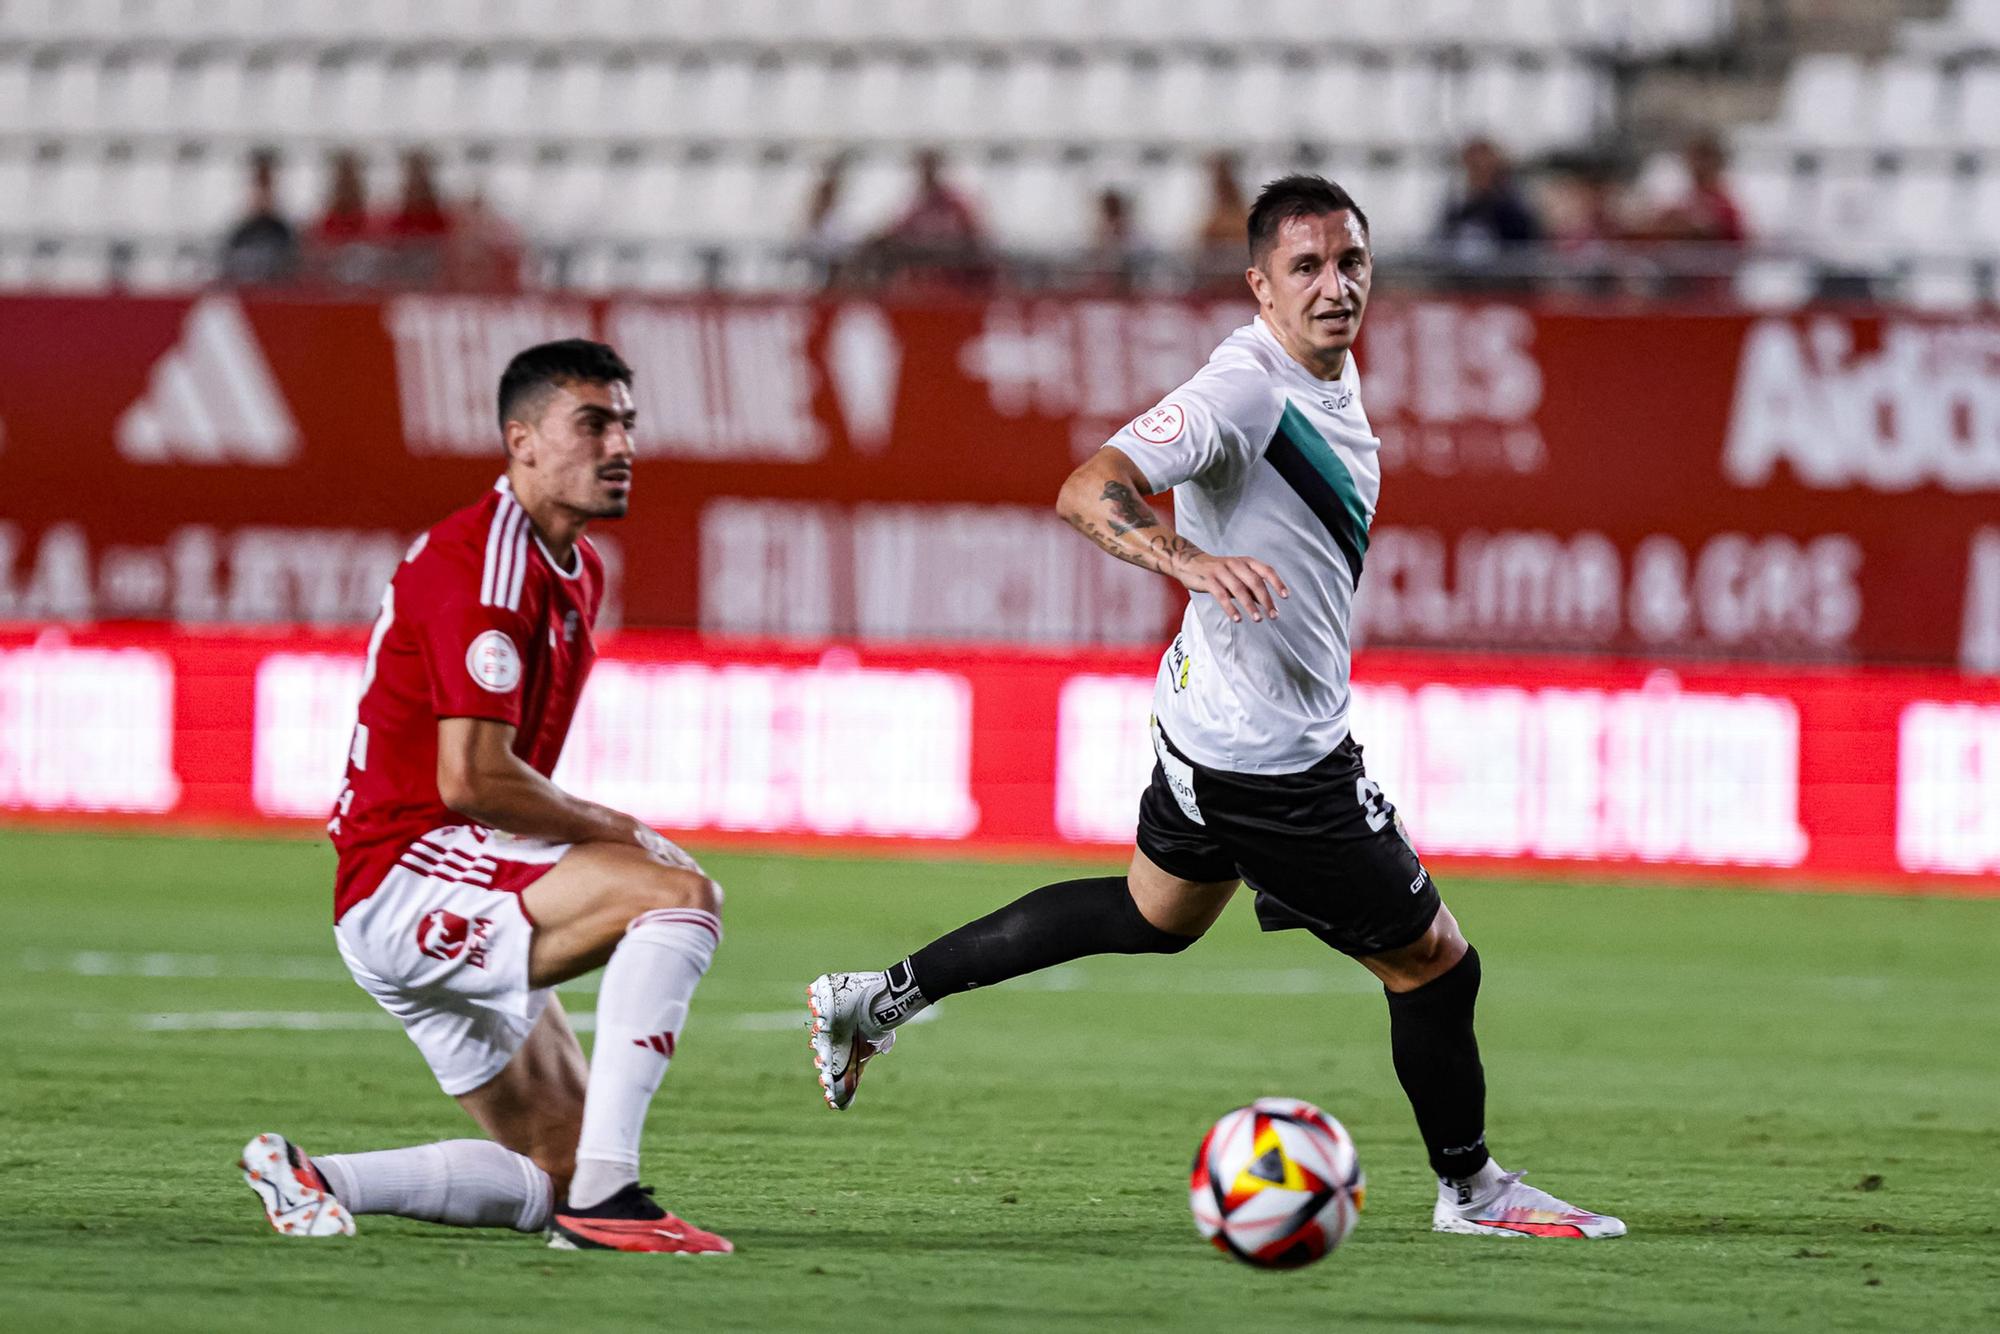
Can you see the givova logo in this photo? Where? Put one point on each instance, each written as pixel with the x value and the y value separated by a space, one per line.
pixel 211 398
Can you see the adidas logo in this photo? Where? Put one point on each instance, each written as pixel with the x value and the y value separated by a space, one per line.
pixel 662 1043
pixel 211 399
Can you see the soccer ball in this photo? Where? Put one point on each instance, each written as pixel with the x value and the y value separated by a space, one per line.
pixel 1277 1184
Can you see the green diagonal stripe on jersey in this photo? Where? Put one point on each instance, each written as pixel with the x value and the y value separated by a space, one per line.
pixel 1310 467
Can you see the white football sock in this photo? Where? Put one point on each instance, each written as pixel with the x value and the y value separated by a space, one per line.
pixel 641 1008
pixel 463 1182
pixel 1478 1188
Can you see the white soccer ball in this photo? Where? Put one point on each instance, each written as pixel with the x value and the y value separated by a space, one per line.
pixel 1277 1184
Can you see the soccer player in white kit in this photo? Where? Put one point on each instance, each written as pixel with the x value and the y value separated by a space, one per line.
pixel 1257 780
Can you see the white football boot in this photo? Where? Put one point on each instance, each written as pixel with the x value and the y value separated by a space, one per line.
pixel 295 1195
pixel 846 1031
pixel 1500 1204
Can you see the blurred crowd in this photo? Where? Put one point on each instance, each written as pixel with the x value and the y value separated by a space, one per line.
pixel 418 240
pixel 1581 224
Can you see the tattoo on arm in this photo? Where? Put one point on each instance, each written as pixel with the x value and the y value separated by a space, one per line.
pixel 1169 551
pixel 1128 512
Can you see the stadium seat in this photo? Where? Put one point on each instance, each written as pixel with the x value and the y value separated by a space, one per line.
pixel 1025 106
pixel 869 102
pixel 1924 211
pixel 1177 100
pixel 1170 199
pixel 1904 104
pixel 1982 215
pixel 1822 101
pixel 1976 110
pixel 1033 202
pixel 573 105
pixel 142 98
pixel 1764 192
pixel 283 98
pixel 125 202
pixel 1105 97
pixel 504 95
pixel 875 191
pixel 67 98
pixel 1261 100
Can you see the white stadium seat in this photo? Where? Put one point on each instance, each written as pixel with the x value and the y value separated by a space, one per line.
pixel 1925 212
pixel 69 98
pixel 951 96
pixel 1982 214
pixel 1764 192
pixel 1822 101
pixel 143 97
pixel 1976 110
pixel 875 191
pixel 1904 105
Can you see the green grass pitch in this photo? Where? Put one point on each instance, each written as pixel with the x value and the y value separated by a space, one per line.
pixel 1793 1100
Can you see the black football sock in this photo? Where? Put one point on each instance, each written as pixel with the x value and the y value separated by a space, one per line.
pixel 1053 925
pixel 1437 1059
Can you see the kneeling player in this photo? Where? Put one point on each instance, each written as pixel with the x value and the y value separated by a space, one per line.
pixel 1266 449
pixel 469 884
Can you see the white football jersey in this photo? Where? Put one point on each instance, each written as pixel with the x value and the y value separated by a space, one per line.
pixel 1264 460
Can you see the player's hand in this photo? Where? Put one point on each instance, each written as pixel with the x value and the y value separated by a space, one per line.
pixel 662 849
pixel 1242 584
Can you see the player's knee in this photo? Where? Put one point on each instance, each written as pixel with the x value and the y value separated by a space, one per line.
pixel 671 887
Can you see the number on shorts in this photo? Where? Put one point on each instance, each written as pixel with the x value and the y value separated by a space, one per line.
pixel 1375 807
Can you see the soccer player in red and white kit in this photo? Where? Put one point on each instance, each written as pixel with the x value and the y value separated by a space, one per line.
pixel 469 884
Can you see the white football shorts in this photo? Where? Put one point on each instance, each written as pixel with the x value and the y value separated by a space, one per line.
pixel 442 944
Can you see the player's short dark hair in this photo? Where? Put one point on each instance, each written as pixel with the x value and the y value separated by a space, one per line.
pixel 538 371
pixel 1295 196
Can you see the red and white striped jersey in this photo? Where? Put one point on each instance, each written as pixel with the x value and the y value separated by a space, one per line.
pixel 478 622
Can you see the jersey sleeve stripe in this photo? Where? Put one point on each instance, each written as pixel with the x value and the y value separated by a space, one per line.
pixel 503 556
pixel 493 536
pixel 521 558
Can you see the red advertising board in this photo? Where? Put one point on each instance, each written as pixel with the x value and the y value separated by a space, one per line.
pixel 1816 776
pixel 1815 488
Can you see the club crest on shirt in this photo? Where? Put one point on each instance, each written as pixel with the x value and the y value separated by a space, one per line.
pixel 494 662
pixel 1161 426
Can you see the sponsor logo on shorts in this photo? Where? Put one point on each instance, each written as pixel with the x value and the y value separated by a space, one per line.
pixel 446 935
pixel 494 662
pixel 1161 426
pixel 1417 885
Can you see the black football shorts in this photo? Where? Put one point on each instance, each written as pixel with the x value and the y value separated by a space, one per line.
pixel 1323 848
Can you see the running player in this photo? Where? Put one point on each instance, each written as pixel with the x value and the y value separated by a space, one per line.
pixel 469 884
pixel 1257 780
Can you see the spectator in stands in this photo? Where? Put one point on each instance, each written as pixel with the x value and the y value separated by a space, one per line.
pixel 939 237
pixel 1219 239
pixel 1222 225
pixel 262 247
pixel 1115 255
pixel 823 238
pixel 1488 211
pixel 344 249
pixel 1708 211
pixel 417 231
pixel 483 251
